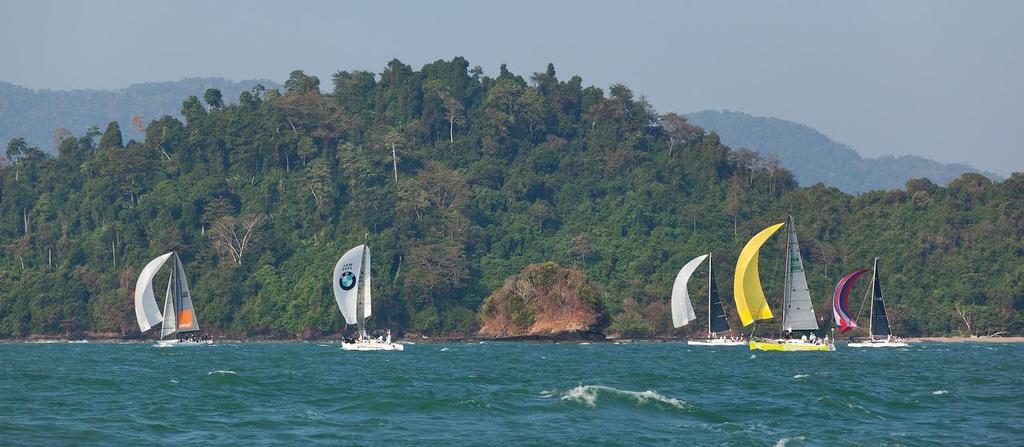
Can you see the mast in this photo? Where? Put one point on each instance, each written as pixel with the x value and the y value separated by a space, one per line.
pixel 786 282
pixel 871 314
pixel 361 310
pixel 177 290
pixel 709 296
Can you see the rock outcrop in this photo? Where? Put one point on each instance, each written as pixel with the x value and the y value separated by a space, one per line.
pixel 543 300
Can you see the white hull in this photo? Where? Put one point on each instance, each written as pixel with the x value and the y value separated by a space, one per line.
pixel 878 344
pixel 176 343
pixel 716 342
pixel 372 345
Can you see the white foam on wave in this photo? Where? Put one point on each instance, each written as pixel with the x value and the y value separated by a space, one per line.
pixel 782 442
pixel 940 392
pixel 174 381
pixel 223 372
pixel 753 356
pixel 801 376
pixel 588 395
pixel 444 349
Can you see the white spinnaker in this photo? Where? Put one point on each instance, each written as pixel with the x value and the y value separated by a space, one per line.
pixel 147 312
pixel 682 308
pixel 348 267
pixel 366 284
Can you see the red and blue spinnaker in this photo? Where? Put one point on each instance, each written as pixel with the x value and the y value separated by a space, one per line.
pixel 840 304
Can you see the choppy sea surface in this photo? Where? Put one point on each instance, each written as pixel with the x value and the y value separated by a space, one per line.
pixel 512 393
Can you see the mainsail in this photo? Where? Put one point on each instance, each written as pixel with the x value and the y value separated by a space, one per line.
pixel 682 309
pixel 345 279
pixel 840 303
pixel 147 312
pixel 717 320
pixel 797 313
pixel 169 318
pixel 879 319
pixel 367 307
pixel 186 320
pixel 750 301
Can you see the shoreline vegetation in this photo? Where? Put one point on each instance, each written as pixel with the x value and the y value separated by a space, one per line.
pixel 496 205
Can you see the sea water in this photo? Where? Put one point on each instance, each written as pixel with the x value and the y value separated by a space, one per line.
pixel 510 393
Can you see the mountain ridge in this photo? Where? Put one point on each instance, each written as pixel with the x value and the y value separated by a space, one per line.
pixel 35 114
pixel 813 157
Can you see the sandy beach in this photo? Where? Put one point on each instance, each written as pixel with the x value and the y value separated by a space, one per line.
pixel 965 340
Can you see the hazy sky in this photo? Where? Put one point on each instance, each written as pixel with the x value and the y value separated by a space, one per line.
pixel 939 79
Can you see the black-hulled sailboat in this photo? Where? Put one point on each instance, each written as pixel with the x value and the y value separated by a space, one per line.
pixel 682 309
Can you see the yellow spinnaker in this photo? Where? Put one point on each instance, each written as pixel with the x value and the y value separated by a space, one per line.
pixel 750 301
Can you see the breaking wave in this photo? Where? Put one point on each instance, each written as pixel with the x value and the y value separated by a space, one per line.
pixel 785 441
pixel 589 395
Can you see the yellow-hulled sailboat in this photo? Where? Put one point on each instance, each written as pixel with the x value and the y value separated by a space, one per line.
pixel 751 304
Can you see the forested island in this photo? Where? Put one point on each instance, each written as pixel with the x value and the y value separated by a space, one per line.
pixel 499 206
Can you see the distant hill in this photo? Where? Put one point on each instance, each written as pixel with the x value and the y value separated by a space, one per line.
pixel 35 114
pixel 813 157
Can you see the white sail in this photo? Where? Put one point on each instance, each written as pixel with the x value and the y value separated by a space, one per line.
pixel 346 275
pixel 186 313
pixel 367 308
pixel 170 322
pixel 798 313
pixel 147 313
pixel 682 308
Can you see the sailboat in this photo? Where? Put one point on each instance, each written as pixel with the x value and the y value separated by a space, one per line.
pixel 682 309
pixel 351 282
pixel 178 317
pixel 797 311
pixel 878 326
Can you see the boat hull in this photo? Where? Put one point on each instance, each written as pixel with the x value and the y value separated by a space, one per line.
pixel 181 344
pixel 878 344
pixel 372 345
pixel 789 346
pixel 716 342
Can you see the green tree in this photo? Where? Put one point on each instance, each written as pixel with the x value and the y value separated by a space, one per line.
pixel 213 98
pixel 111 137
pixel 301 83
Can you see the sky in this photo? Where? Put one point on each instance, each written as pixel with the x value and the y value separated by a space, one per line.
pixel 939 79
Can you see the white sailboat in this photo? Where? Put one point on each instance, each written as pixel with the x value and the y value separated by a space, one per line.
pixel 351 283
pixel 179 316
pixel 682 309
pixel 878 323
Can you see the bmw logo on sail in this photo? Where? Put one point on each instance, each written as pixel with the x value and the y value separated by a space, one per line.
pixel 347 281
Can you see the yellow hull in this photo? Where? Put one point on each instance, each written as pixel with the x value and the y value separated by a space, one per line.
pixel 789 346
